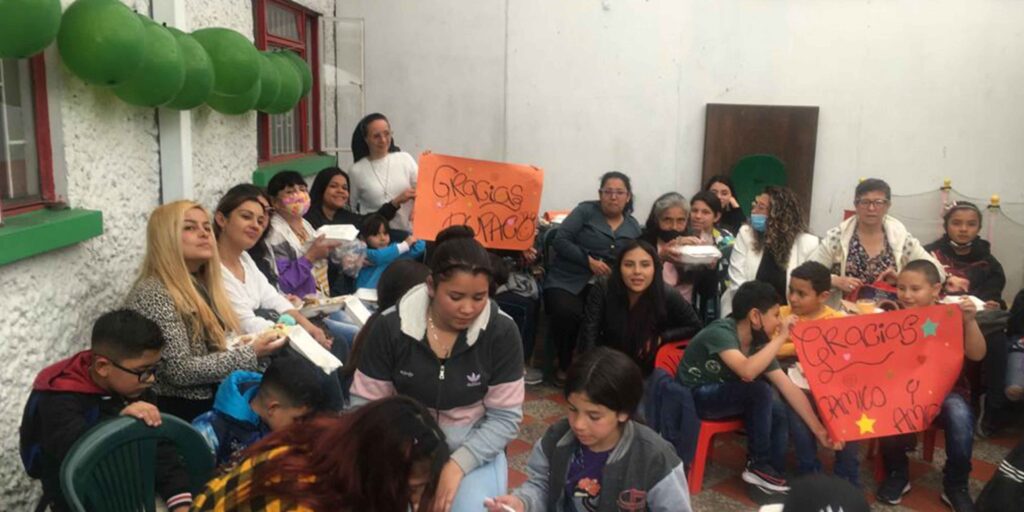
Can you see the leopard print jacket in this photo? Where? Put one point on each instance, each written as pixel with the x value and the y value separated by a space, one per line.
pixel 191 368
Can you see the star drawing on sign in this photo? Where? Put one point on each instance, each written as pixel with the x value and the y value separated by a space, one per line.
pixel 866 424
pixel 929 328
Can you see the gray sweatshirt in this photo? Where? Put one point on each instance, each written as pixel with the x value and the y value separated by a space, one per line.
pixel 642 473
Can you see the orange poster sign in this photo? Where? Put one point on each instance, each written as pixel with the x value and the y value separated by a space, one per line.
pixel 884 374
pixel 500 201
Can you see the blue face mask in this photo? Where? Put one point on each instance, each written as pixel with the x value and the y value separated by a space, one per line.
pixel 758 221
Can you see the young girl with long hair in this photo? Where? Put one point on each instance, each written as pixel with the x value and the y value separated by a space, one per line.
pixel 385 456
pixel 180 287
pixel 634 310
pixel 447 345
pixel 732 214
pixel 240 223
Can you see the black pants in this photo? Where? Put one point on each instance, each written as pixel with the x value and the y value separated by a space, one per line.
pixel 996 354
pixel 523 311
pixel 565 314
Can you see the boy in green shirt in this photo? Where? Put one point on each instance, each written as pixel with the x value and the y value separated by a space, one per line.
pixel 723 366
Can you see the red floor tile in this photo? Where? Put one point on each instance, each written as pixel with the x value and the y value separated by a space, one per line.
pixel 517 446
pixel 536 394
pixel 729 454
pixel 736 489
pixel 515 479
pixel 924 499
pixel 558 398
pixel 918 468
pixel 1005 441
pixel 553 419
pixel 982 470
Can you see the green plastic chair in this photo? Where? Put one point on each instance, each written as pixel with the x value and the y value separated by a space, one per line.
pixel 112 468
pixel 754 172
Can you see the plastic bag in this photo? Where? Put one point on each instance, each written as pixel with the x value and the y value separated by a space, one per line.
pixel 351 256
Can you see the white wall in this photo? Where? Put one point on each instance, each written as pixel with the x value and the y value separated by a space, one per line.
pixel 110 152
pixel 436 69
pixel 909 91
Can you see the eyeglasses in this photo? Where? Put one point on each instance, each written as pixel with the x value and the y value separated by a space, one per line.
pixel 143 375
pixel 613 192
pixel 868 203
pixel 761 207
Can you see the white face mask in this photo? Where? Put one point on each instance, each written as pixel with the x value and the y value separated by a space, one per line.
pixel 961 246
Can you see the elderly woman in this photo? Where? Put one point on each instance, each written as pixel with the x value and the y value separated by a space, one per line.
pixel 869 246
pixel 586 245
pixel 665 227
pixel 772 244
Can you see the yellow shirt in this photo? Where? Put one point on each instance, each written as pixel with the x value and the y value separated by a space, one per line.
pixel 231 492
pixel 787 349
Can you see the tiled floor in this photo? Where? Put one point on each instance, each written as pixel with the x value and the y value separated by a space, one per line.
pixel 723 489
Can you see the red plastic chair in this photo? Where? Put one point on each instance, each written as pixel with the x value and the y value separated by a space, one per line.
pixel 669 354
pixel 668 357
pixel 705 443
pixel 927 451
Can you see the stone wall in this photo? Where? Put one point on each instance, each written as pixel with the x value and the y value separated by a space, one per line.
pixel 110 151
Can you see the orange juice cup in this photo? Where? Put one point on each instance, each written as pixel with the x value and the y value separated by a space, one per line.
pixel 866 306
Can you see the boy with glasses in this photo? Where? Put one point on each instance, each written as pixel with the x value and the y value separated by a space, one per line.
pixel 112 378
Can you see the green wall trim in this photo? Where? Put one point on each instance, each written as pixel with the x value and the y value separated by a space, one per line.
pixel 40 231
pixel 306 166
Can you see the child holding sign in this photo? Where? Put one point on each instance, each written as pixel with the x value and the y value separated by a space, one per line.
pixel 381 252
pixel 723 366
pixel 810 286
pixel 919 285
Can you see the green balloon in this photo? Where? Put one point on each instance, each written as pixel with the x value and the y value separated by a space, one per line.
pixel 198 73
pixel 303 68
pixel 234 105
pixel 161 74
pixel 101 41
pixel 270 82
pixel 291 85
pixel 236 64
pixel 27 26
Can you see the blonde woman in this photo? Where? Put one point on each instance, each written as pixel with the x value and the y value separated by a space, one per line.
pixel 181 289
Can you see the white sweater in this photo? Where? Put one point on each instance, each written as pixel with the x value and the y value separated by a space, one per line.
pixel 383 180
pixel 252 293
pixel 745 261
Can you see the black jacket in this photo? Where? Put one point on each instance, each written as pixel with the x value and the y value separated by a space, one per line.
pixel 1005 490
pixel 732 219
pixel 1015 326
pixel 316 218
pixel 978 266
pixel 605 322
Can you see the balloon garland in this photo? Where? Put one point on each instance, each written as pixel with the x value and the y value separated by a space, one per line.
pixel 106 44
pixel 27 26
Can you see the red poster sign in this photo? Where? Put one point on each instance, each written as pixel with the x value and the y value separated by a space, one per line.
pixel 499 201
pixel 884 374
